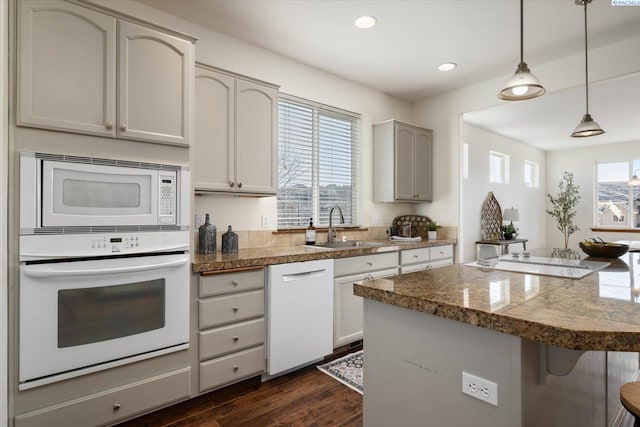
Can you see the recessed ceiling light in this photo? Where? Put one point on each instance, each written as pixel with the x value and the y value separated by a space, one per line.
pixel 447 66
pixel 365 21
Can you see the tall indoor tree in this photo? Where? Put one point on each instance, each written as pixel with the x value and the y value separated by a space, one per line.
pixel 564 204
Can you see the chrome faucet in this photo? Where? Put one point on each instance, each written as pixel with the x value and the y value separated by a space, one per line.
pixel 331 233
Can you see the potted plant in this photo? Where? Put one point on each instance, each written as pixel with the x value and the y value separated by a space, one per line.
pixel 563 206
pixel 508 231
pixel 432 230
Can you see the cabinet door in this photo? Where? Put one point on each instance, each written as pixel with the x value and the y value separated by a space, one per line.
pixel 155 74
pixel 404 162
pixel 348 313
pixel 212 157
pixel 423 165
pixel 66 68
pixel 256 150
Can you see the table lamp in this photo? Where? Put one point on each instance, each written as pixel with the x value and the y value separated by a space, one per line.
pixel 511 215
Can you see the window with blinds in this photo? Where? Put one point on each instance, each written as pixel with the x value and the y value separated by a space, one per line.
pixel 319 163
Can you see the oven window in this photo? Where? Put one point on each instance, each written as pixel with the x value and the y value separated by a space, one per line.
pixel 92 315
pixel 95 194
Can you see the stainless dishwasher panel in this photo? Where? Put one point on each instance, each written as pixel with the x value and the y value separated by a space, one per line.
pixel 299 314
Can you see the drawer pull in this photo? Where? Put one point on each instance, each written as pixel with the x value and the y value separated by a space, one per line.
pixel 116 406
pixel 369 263
pixel 235 308
pixel 234 283
pixel 416 256
pixel 236 338
pixel 235 368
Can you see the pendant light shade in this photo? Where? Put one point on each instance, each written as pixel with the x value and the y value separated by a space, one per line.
pixel 634 179
pixel 587 126
pixel 523 85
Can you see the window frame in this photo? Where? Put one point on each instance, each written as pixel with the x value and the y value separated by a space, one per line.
pixel 504 170
pixel 318 212
pixel 535 178
pixel 630 216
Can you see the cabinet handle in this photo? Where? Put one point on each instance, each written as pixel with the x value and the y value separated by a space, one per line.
pixel 416 256
pixel 236 338
pixel 231 184
pixel 234 283
pixel 108 125
pixel 239 185
pixel 123 127
pixel 235 308
pixel 369 263
pixel 235 368
pixel 116 406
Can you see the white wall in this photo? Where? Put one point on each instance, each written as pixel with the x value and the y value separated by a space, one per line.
pixel 581 162
pixel 476 187
pixel 442 114
pixel 294 78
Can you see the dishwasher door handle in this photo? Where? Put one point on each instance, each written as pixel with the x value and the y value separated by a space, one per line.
pixel 304 275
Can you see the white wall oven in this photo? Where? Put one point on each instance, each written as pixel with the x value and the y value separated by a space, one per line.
pixel 104 274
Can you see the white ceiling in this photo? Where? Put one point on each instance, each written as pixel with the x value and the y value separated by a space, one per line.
pixel 400 55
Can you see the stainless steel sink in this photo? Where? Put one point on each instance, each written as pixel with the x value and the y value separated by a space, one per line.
pixel 349 244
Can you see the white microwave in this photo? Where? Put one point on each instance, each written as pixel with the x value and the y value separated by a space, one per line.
pixel 62 193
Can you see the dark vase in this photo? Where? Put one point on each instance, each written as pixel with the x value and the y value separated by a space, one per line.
pixel 229 241
pixel 207 237
pixel 508 236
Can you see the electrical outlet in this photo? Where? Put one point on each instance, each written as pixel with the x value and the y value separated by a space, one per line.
pixel 375 220
pixel 199 220
pixel 480 388
pixel 265 221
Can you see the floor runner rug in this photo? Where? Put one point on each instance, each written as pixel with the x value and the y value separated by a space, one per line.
pixel 348 370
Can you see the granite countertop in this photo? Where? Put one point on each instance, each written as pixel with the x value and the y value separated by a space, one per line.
pixel 601 311
pixel 260 257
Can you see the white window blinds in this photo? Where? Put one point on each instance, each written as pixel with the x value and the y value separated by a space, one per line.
pixel 319 163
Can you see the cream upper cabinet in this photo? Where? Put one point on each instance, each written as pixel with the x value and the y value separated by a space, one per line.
pixel 66 68
pixel 236 141
pixel 84 71
pixel 154 96
pixel 402 163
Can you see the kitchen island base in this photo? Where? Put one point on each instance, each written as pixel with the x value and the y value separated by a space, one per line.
pixel 414 365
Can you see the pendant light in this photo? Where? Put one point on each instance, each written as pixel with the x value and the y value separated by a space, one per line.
pixel 634 179
pixel 587 126
pixel 523 84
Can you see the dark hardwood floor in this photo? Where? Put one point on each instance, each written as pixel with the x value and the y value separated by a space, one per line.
pixel 306 397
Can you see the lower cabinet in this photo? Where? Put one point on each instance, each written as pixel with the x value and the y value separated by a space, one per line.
pixel 348 308
pixel 113 405
pixel 425 258
pixel 231 327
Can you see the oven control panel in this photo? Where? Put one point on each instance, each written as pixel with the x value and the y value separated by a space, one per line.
pixel 117 244
pixel 42 247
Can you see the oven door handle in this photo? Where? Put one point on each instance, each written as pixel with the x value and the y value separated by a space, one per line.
pixel 60 272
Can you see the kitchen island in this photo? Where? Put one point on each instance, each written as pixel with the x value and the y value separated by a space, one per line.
pixel 558 349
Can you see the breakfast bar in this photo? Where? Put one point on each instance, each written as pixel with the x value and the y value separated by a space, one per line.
pixel 545 350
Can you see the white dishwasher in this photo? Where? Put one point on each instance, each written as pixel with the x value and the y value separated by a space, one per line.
pixel 299 314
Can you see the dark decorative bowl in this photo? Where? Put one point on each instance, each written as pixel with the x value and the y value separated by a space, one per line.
pixel 604 250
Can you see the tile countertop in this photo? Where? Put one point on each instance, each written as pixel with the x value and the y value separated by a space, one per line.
pixel 260 257
pixel 601 311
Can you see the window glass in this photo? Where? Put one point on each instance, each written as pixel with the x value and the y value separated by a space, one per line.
pixel 498 167
pixel 319 163
pixel 617 201
pixel 531 174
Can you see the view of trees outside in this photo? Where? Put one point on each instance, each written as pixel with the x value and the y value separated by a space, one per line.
pixel 316 166
pixel 618 202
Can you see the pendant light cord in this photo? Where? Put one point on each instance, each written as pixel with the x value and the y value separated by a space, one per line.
pixel 521 31
pixel 586 56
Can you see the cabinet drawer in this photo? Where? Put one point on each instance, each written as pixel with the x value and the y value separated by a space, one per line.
pixel 227 339
pixel 231 308
pixel 224 283
pixel 413 256
pixel 109 406
pixel 441 263
pixel 413 267
pixel 231 368
pixel 364 264
pixel 440 252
